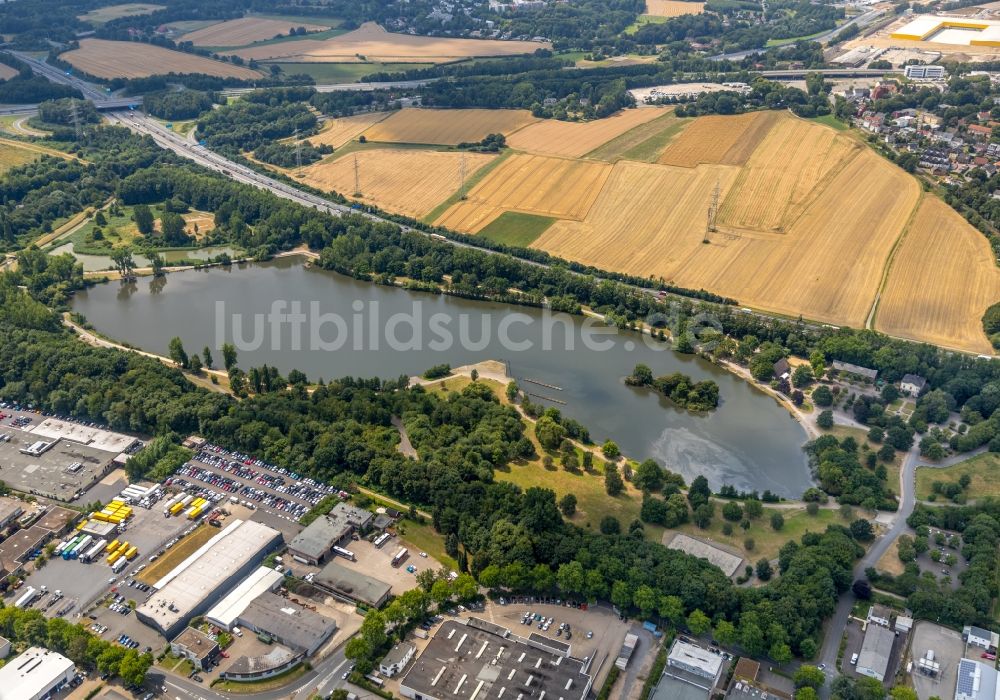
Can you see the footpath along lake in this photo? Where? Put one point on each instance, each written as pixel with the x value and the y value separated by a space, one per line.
pixel 750 442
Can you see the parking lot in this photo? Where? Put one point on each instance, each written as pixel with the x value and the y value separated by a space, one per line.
pixel 253 481
pixel 948 649
pixel 377 563
pixel 82 585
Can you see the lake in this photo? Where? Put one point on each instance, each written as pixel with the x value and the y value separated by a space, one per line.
pixel 340 326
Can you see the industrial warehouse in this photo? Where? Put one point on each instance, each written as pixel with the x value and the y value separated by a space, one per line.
pixel 34 675
pixel 315 544
pixel 476 658
pixel 207 575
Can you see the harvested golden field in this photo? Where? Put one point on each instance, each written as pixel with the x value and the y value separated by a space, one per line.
pixel 783 173
pixel 6 72
pixel 650 220
pixel 131 59
pixel 673 8
pixel 131 9
pixel 447 127
pixel 405 181
pixel 243 31
pixel 377 45
pixel 337 132
pixel 719 139
pixel 942 279
pixel 555 187
pixel 575 139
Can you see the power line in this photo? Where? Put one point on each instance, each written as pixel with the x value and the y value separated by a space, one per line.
pixel 357 178
pixel 713 212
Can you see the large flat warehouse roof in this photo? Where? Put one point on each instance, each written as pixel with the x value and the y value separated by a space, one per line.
pixel 227 610
pixel 60 472
pixel 466 661
pixel 961 31
pixel 33 674
pixel 207 574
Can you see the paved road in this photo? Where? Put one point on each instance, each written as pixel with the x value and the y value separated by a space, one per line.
pixel 838 623
pixel 862 20
pixel 57 75
pixel 323 679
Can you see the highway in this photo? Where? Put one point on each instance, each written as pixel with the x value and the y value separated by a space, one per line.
pixel 57 75
pixel 863 20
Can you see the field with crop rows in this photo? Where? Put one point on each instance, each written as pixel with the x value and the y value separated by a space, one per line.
pixel 405 181
pixel 376 44
pixel 575 139
pixel 447 127
pixel 942 279
pixel 553 187
pixel 131 9
pixel 243 31
pixel 132 59
pixel 793 160
pixel 650 220
pixel 719 139
pixel 673 8
pixel 337 132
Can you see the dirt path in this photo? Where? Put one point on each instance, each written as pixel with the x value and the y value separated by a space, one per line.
pixel 93 339
pixel 405 447
pixel 19 126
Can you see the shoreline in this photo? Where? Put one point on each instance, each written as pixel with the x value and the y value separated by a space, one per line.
pixel 309 256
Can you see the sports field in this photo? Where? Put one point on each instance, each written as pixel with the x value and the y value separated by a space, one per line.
pixel 243 31
pixel 553 187
pixel 376 44
pixel 131 9
pixel 673 8
pixel 575 139
pixel 337 132
pixel 447 127
pixel 942 279
pixel 405 181
pixel 132 59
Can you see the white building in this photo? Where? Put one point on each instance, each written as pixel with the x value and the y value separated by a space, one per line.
pixel 912 384
pixel 227 611
pixel 397 658
pixel 924 72
pixel 34 675
pixel 978 637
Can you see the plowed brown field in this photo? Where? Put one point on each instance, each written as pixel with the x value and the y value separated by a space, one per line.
pixel 942 279
pixel 574 139
pixel 447 126
pixel 410 182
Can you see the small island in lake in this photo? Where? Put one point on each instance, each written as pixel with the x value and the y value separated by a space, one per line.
pixel 679 388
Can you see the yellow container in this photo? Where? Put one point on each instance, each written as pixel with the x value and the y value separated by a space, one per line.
pixel 112 546
pixel 113 557
pixel 130 554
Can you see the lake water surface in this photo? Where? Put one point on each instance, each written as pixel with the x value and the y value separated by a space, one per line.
pixel 750 442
